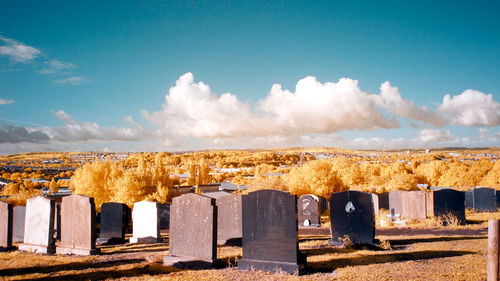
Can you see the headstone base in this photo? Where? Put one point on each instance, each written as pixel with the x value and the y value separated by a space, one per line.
pixel 188 262
pixel 269 266
pixel 145 240
pixel 110 241
pixel 310 226
pixel 37 249
pixel 341 243
pixel 7 249
pixel 76 251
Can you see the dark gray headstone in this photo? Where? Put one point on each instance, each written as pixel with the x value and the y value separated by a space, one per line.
pixel 449 201
pixel 308 211
pixel 18 224
pixel 396 201
pixel 323 204
pixel 383 200
pixel 113 223
pixel 469 204
pixel 352 215
pixel 164 210
pixel 484 199
pixel 270 232
pixel 193 229
pixel 497 196
pixel 5 226
pixel 57 221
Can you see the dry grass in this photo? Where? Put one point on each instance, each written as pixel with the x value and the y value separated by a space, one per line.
pixel 406 256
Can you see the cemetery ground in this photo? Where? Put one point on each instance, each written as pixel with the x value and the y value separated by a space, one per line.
pixel 422 250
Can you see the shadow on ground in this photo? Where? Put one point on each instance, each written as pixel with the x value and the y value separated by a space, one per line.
pixel 332 264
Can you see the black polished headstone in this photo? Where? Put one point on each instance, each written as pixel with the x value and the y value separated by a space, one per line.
pixel 352 215
pixel 383 200
pixel 484 199
pixel 323 204
pixel 164 210
pixel 270 239
pixel 497 196
pixel 469 204
pixel 449 201
pixel 308 211
pixel 18 223
pixel 113 223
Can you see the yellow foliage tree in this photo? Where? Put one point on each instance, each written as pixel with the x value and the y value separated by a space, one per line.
pixel 315 177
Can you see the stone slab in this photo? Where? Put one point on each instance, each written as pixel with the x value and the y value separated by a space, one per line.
pixel 352 215
pixel 308 211
pixel 113 223
pixel 77 251
pixel 39 223
pixel 484 199
pixel 18 223
pixel 146 222
pixel 270 231
pixel 78 224
pixel 229 219
pixel 270 266
pixel 187 262
pixel 413 205
pixel 193 227
pixel 37 249
pixel 5 225
pixel 395 201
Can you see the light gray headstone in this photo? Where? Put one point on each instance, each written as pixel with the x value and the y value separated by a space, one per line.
pixel 39 226
pixel 18 229
pixel 146 223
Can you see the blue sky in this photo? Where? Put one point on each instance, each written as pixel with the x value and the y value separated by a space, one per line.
pixel 141 75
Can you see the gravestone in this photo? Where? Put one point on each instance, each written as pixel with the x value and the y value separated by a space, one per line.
pixel 113 223
pixel 5 226
pixel 164 211
pixel 323 204
pixel 484 199
pixel 193 230
pixel 18 224
pixel 39 226
pixel 228 217
pixel 77 226
pixel 308 211
pixel 448 201
pixel 352 215
pixel 497 196
pixel 270 239
pixel 376 203
pixel 383 200
pixel 469 204
pixel 395 201
pixel 146 223
pixel 413 205
pixel 57 219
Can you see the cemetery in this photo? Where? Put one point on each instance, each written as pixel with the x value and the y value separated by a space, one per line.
pixel 200 232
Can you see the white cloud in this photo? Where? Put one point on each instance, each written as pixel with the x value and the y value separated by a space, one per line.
pixel 17 51
pixel 391 99
pixel 192 110
pixel 472 108
pixel 434 135
pixel 323 107
pixel 76 80
pixel 55 66
pixel 2 101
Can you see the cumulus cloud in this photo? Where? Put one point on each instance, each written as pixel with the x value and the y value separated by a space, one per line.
pixel 434 135
pixel 471 108
pixel 192 110
pixel 324 107
pixel 3 101
pixel 17 51
pixel 76 80
pixel 55 66
pixel 391 99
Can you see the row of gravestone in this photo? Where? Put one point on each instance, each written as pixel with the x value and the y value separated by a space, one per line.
pixel 268 225
pixel 424 204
